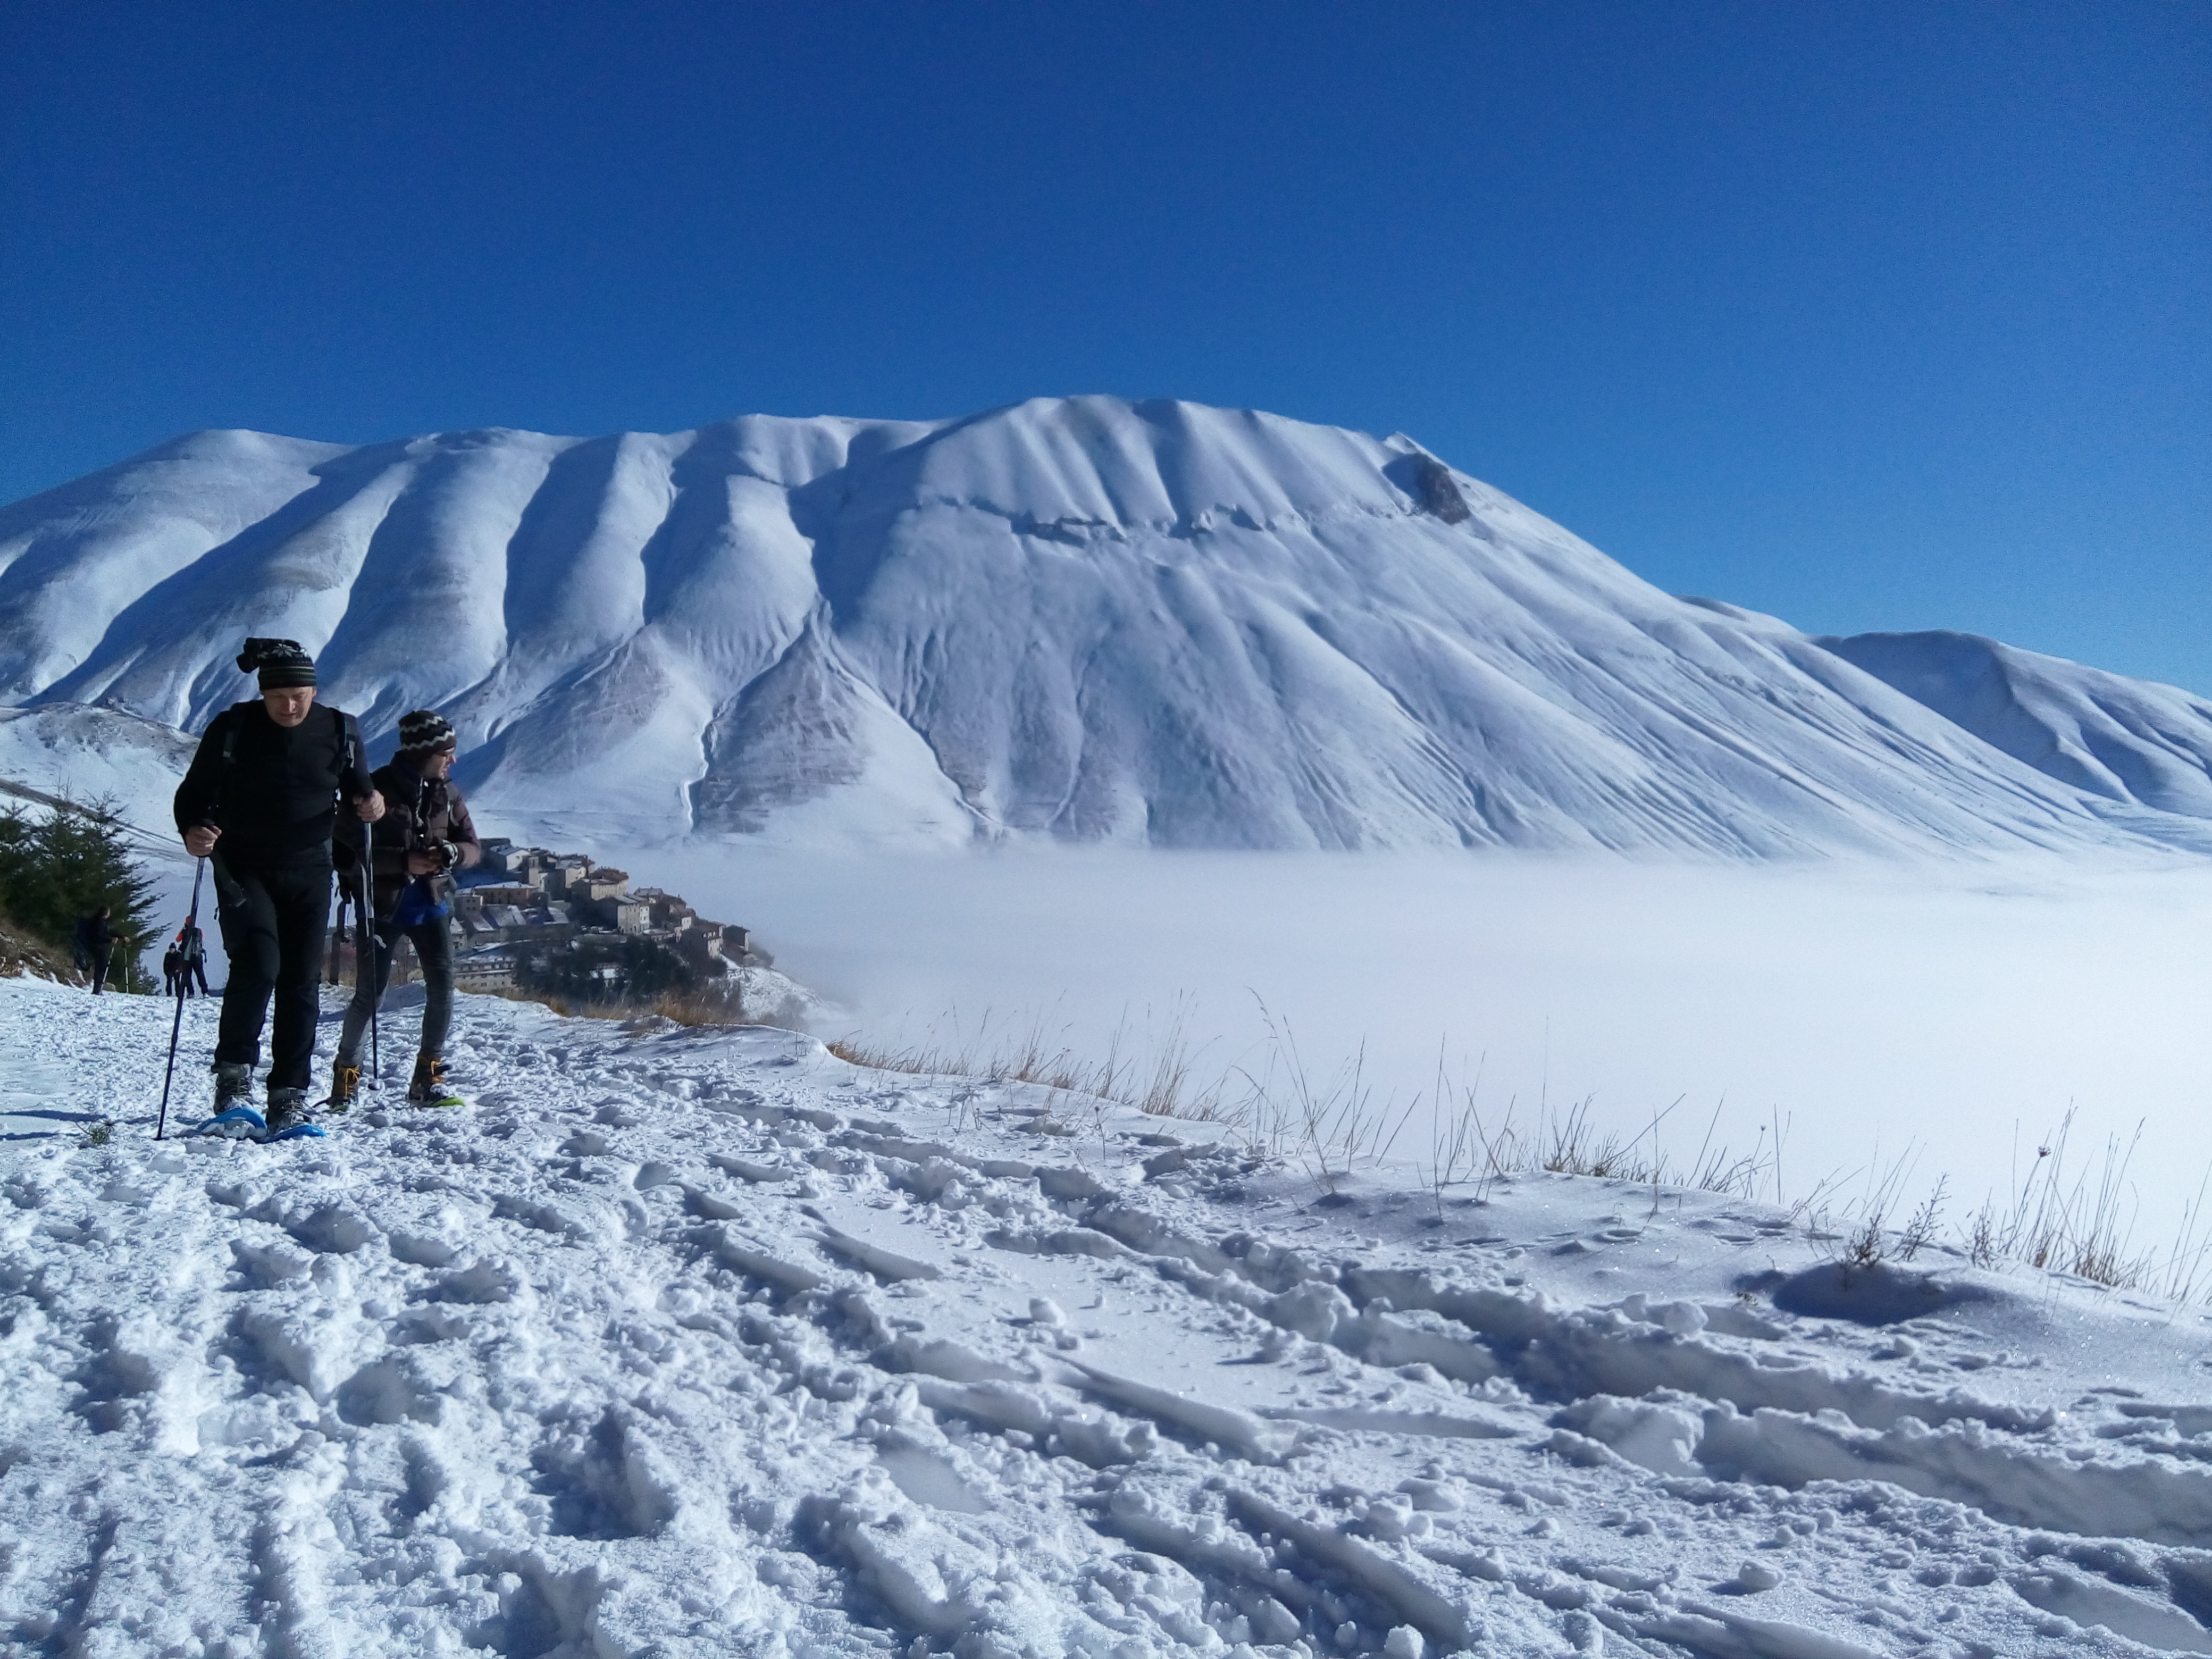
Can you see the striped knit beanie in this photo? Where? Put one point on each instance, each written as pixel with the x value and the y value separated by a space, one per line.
pixel 426 732
pixel 281 664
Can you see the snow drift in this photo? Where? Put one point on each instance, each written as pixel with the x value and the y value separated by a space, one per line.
pixel 1080 619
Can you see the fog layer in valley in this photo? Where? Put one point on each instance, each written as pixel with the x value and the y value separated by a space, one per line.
pixel 1952 1012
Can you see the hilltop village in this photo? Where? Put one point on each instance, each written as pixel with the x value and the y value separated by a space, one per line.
pixel 528 919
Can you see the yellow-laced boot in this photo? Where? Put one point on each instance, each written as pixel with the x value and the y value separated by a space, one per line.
pixel 345 1085
pixel 429 1087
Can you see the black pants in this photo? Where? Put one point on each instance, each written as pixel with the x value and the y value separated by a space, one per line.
pixel 99 961
pixel 272 926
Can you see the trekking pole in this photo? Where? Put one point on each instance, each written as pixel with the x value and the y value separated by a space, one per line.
pixel 366 945
pixel 177 1023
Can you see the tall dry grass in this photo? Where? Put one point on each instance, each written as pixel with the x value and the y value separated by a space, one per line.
pixel 1159 1079
pixel 2082 1222
pixel 1332 1127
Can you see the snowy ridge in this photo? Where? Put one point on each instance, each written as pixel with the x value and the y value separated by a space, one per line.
pixel 63 751
pixel 1079 618
pixel 700 1343
pixel 2130 741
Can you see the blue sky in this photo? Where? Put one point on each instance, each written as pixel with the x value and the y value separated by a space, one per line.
pixel 1870 315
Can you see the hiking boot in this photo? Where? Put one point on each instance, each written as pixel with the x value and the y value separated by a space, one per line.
pixel 288 1109
pixel 429 1087
pixel 233 1083
pixel 345 1085
pixel 234 1117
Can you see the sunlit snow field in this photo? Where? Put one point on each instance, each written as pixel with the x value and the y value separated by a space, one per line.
pixel 1949 1014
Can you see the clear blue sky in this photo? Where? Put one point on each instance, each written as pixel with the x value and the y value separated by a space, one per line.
pixel 1870 315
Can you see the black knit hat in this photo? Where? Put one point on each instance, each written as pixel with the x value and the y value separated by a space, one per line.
pixel 280 663
pixel 427 733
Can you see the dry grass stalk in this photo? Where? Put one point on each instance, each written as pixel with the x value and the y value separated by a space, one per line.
pixel 2077 1227
pixel 2081 1227
pixel 1166 1087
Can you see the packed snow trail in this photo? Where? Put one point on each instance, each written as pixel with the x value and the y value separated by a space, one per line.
pixel 686 1343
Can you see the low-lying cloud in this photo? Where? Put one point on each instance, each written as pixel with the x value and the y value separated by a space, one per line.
pixel 1955 1011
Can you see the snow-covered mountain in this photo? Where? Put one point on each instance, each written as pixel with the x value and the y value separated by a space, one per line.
pixel 2127 740
pixel 89 755
pixel 1082 619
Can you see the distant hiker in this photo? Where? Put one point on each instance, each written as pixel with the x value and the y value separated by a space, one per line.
pixel 426 834
pixel 96 947
pixel 192 969
pixel 172 969
pixel 259 803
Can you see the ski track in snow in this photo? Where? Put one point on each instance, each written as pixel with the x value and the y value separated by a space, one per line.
pixel 683 1342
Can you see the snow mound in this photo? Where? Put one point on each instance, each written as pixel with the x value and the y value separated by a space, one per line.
pixel 1080 619
pixel 708 1343
pixel 2130 741
pixel 770 998
pixel 85 754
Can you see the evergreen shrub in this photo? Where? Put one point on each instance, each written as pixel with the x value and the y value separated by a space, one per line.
pixel 58 869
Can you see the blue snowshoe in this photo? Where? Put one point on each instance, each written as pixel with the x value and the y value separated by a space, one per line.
pixel 288 1117
pixel 237 1123
pixel 234 1118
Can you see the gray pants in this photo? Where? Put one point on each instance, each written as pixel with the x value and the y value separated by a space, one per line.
pixel 433 948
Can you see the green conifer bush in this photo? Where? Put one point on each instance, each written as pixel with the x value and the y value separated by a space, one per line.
pixel 57 869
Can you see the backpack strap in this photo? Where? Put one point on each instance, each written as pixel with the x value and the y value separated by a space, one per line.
pixel 346 753
pixel 228 720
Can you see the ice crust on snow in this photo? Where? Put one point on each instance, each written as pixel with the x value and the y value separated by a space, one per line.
pixel 1080 619
pixel 701 1342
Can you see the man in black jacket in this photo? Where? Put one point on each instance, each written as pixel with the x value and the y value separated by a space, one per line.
pixel 259 803
pixel 96 947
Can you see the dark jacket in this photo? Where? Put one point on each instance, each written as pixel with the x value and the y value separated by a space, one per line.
pixel 421 815
pixel 94 935
pixel 272 790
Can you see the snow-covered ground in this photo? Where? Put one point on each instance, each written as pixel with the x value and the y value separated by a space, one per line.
pixel 696 1343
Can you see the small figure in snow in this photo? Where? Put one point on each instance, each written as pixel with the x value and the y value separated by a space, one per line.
pixel 173 967
pixel 96 947
pixel 259 803
pixel 192 961
pixel 427 836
